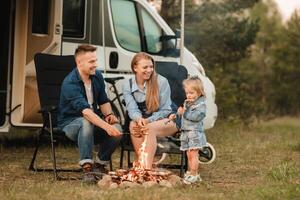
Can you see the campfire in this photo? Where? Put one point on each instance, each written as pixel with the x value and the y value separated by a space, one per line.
pixel 139 175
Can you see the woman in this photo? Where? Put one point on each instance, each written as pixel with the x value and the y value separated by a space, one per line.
pixel 147 97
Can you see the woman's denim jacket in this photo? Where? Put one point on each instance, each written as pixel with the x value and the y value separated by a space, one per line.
pixel 134 94
pixel 192 119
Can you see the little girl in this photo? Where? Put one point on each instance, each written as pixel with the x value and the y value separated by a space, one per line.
pixel 192 128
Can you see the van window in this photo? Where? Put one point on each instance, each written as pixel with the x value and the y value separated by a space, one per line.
pixel 152 33
pixel 126 25
pixel 40 16
pixel 73 18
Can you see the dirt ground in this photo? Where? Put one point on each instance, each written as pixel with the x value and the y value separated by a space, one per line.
pixel 257 162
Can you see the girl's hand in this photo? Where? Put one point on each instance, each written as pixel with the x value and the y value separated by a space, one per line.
pixel 172 116
pixel 180 110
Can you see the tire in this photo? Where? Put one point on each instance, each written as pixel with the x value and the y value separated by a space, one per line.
pixel 207 154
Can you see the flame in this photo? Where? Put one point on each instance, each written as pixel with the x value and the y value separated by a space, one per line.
pixel 140 172
pixel 143 154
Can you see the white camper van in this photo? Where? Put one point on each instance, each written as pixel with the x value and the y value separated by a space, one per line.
pixel 119 28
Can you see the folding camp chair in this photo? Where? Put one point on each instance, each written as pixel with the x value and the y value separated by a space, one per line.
pixel 50 72
pixel 169 145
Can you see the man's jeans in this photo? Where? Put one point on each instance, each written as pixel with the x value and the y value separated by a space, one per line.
pixel 86 135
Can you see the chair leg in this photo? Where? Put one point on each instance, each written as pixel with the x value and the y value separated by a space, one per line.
pixel 128 159
pixel 186 162
pixel 121 157
pixel 31 165
pixel 182 164
pixel 110 165
pixel 54 158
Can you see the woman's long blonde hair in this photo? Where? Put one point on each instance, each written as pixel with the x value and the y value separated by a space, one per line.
pixel 152 96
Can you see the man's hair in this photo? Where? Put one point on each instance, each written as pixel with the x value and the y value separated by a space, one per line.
pixel 83 48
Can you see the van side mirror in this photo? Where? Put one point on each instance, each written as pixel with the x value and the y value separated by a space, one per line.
pixel 170 45
pixel 113 60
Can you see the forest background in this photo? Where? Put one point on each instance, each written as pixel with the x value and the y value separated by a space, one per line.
pixel 248 51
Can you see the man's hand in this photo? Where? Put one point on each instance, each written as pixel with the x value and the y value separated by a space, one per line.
pixel 111 119
pixel 112 131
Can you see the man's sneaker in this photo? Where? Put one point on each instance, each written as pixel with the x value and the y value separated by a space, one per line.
pixel 189 179
pixel 88 176
pixel 100 168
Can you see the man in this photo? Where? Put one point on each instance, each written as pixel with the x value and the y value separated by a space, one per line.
pixel 82 96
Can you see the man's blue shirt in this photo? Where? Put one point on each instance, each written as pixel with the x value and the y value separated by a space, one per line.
pixel 73 96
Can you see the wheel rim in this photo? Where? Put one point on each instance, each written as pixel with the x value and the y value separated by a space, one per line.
pixel 207 155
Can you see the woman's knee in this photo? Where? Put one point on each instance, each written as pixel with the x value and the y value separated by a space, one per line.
pixel 132 125
pixel 162 128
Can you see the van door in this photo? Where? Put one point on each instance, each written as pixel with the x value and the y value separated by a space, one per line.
pixel 37 29
pixel 6 34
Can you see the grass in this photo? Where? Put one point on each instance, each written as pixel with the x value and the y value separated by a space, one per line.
pixel 260 162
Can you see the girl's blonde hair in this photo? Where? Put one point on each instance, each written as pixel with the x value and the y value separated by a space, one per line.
pixel 196 84
pixel 152 97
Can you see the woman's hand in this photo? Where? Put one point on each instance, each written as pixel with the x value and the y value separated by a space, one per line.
pixel 142 122
pixel 136 131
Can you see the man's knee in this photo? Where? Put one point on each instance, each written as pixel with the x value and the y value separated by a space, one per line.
pixel 78 126
pixel 117 139
pixel 87 127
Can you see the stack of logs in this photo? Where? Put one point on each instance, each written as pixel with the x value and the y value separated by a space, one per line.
pixel 137 177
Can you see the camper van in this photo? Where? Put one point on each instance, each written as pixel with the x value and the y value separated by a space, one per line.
pixel 119 29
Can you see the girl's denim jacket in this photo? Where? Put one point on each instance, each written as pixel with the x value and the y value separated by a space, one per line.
pixel 192 119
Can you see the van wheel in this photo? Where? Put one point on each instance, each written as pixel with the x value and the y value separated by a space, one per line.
pixel 207 154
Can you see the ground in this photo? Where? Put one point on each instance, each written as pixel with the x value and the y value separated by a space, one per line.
pixel 257 162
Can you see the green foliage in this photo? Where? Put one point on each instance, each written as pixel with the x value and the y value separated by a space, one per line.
pixel 283 172
pixel 248 53
pixel 285 93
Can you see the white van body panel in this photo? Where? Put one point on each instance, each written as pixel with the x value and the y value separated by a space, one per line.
pixel 23 84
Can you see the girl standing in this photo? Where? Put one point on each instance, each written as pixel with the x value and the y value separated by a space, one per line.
pixel 192 128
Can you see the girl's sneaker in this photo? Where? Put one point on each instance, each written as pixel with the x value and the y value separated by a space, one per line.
pixel 189 179
pixel 187 173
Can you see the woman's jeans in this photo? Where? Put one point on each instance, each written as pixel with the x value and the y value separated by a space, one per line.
pixel 86 135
